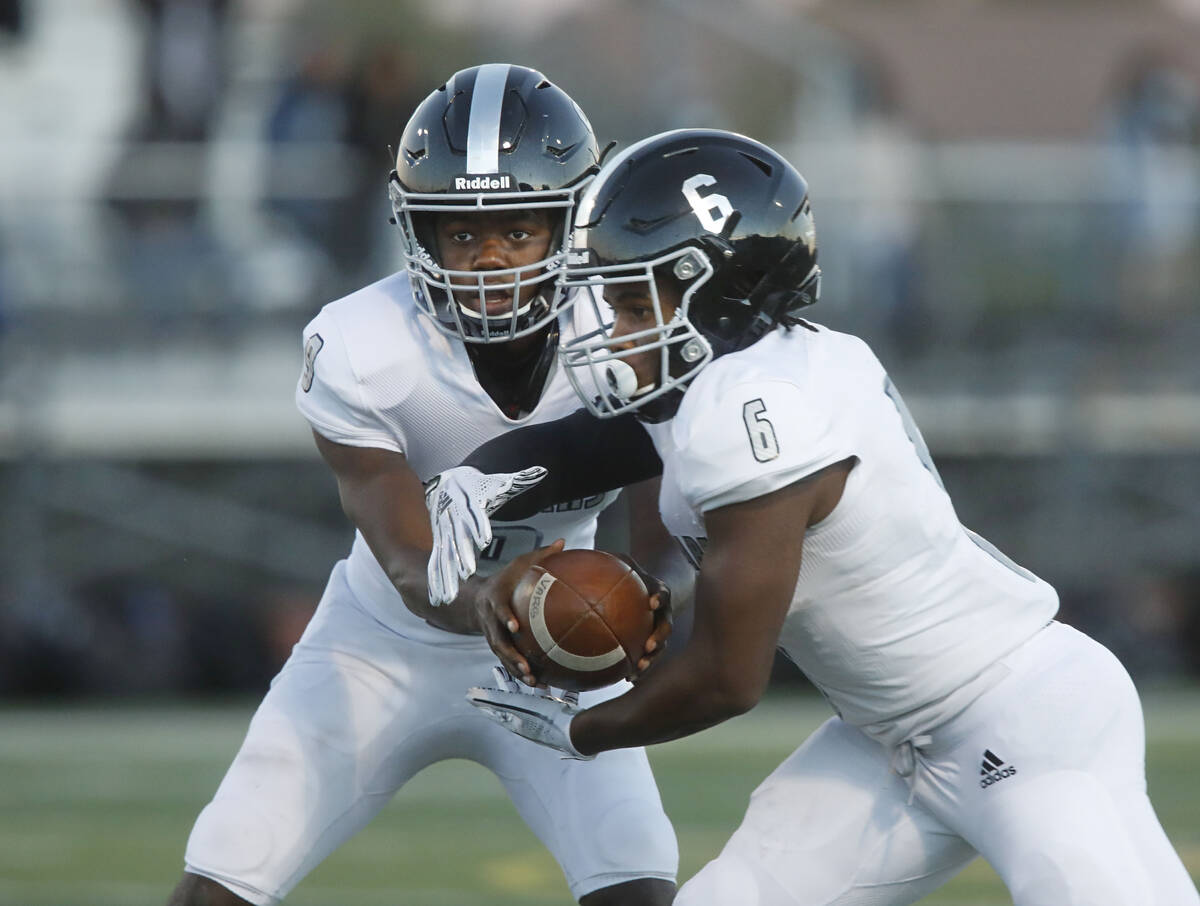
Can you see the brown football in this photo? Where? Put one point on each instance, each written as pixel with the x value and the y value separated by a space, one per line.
pixel 585 616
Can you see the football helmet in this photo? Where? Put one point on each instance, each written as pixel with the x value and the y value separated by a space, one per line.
pixel 728 221
pixel 496 137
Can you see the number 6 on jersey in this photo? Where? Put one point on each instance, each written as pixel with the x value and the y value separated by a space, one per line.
pixel 763 442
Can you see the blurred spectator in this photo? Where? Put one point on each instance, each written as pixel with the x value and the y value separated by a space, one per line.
pixel 388 92
pixel 226 650
pixel 308 179
pixel 3 305
pixel 158 184
pixel 1150 621
pixel 283 619
pixel 12 17
pixel 883 232
pixel 12 26
pixel 135 636
pixel 386 96
pixel 185 65
pixel 1189 584
pixel 333 122
pixel 1155 125
pixel 45 640
pixel 1155 609
pixel 125 635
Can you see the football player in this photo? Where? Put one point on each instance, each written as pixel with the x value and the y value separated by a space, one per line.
pixel 399 380
pixel 968 720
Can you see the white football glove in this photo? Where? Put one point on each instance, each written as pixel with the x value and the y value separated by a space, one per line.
pixel 542 718
pixel 459 501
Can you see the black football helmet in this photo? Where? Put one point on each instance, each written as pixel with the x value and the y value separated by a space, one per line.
pixel 496 137
pixel 724 217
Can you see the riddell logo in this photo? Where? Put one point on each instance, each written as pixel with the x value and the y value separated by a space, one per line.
pixel 993 769
pixel 482 183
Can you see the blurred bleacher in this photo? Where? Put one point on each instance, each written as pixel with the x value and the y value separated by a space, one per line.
pixel 183 184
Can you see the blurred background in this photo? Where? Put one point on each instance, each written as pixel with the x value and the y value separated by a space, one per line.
pixel 1007 197
pixel 1008 204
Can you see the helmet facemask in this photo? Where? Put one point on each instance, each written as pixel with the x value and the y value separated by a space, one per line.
pixel 720 311
pixel 440 291
pixel 597 362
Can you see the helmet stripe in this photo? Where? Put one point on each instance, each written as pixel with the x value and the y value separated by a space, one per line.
pixel 483 128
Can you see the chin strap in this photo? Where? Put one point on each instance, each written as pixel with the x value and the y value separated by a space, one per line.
pixel 499 327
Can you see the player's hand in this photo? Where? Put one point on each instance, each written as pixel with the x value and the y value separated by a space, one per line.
pixel 660 603
pixel 492 600
pixel 460 502
pixel 542 718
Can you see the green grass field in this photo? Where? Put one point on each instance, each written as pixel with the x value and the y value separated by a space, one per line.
pixel 96 803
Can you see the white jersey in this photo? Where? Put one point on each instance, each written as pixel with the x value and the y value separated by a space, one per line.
pixel 378 373
pixel 899 611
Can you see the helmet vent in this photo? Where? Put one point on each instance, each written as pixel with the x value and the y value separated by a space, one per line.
pixel 758 162
pixel 638 225
pixel 561 152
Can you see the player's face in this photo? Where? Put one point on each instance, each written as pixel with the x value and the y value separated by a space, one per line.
pixel 494 242
pixel 636 311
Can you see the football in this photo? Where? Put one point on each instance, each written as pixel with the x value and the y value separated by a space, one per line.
pixel 584 619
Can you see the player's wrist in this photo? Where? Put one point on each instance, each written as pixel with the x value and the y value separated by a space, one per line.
pixel 469 604
pixel 569 730
pixel 460 616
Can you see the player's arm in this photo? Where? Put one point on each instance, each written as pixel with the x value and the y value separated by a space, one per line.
pixel 522 472
pixel 385 500
pixel 584 456
pixel 743 591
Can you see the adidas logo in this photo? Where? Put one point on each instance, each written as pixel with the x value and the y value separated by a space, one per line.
pixel 993 769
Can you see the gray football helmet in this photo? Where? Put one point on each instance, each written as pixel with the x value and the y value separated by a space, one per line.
pixel 495 137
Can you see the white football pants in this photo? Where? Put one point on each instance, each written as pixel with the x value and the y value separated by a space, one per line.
pixel 356 712
pixel 1043 776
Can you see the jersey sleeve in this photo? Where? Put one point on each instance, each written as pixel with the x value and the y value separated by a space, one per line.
pixel 584 455
pixel 332 397
pixel 752 438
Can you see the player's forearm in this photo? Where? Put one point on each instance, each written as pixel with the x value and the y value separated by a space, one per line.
pixel 668 565
pixel 585 456
pixel 722 670
pixel 670 704
pixel 655 550
pixel 384 499
pixel 406 568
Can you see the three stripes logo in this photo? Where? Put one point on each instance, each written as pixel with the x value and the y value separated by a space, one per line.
pixel 993 769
